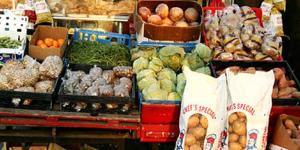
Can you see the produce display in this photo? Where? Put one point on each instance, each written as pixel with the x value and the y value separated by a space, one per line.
pixel 94 53
pixel 284 87
pixel 6 42
pixel 292 129
pixel 174 16
pixel 30 76
pixel 98 82
pixel 235 34
pixel 50 43
pixel 159 72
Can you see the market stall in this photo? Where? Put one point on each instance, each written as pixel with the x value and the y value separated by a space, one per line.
pixel 136 69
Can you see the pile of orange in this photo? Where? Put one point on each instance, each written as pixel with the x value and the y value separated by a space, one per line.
pixel 50 43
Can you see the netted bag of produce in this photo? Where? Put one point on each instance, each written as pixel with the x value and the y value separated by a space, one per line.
pixel 202 111
pixel 248 108
pixel 274 25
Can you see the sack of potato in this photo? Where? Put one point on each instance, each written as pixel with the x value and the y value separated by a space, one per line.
pixel 248 107
pixel 202 110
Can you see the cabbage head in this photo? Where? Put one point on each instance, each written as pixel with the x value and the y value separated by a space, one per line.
pixel 193 61
pixel 181 81
pixel 156 64
pixel 172 56
pixel 140 64
pixel 174 96
pixel 145 73
pixel 146 52
pixel 204 52
pixel 204 70
pixel 167 85
pixel 153 92
pixel 167 73
pixel 146 82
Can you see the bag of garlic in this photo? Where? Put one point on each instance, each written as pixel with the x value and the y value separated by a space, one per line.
pixel 248 107
pixel 202 113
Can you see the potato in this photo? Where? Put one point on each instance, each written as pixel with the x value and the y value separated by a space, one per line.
pixel 198 132
pixel 195 147
pixel 235 146
pixel 283 83
pixel 239 127
pixel 233 117
pixel 230 129
pixel 233 137
pixel 193 121
pixel 243 141
pixel 203 122
pixel 278 73
pixel 190 139
pixel 289 124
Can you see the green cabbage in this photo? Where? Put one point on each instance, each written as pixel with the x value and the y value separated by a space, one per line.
pixel 193 61
pixel 204 52
pixel 146 82
pixel 167 73
pixel 145 73
pixel 140 64
pixel 181 81
pixel 174 96
pixel 156 64
pixel 204 70
pixel 172 57
pixel 167 85
pixel 146 52
pixel 153 92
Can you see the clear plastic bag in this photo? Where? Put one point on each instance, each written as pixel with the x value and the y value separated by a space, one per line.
pixel 92 91
pixel 96 72
pixel 126 82
pixel 123 71
pixel 108 75
pixel 51 67
pixel 44 86
pixel 100 81
pixel 86 82
pixel 106 90
pixel 121 91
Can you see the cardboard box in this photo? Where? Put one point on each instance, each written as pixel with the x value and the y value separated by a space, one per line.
pixel 43 32
pixel 167 33
pixel 280 136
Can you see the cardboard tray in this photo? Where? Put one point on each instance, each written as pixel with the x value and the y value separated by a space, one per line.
pixel 280 136
pixel 93 99
pixel 216 65
pixel 168 33
pixel 43 32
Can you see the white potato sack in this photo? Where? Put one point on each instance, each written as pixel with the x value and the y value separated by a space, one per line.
pixel 202 114
pixel 248 108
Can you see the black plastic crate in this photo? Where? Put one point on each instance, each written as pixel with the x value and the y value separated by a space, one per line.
pixel 40 101
pixel 263 65
pixel 89 100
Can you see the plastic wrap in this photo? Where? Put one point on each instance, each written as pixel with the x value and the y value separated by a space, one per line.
pixel 95 72
pixel 108 75
pixel 92 91
pixel 126 82
pixel 106 90
pixel 51 67
pixel 99 82
pixel 121 91
pixel 123 71
pixel 44 86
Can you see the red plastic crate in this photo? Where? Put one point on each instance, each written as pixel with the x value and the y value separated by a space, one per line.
pixel 159 132
pixel 160 113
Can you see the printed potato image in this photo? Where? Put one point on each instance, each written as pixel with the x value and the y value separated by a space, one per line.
pixel 197 126
pixel 237 131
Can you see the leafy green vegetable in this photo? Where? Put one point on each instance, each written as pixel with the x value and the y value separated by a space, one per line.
pixel 167 85
pixel 146 52
pixel 174 96
pixel 193 61
pixel 145 73
pixel 140 64
pixel 153 92
pixel 104 55
pixel 204 52
pixel 7 42
pixel 181 81
pixel 204 70
pixel 167 73
pixel 146 82
pixel 156 64
pixel 172 56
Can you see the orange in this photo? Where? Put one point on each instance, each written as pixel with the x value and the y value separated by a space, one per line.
pixel 61 42
pixel 39 42
pixel 52 47
pixel 48 41
pixel 55 44
pixel 43 46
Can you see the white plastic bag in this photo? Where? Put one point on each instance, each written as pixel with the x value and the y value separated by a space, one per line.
pixel 202 112
pixel 248 109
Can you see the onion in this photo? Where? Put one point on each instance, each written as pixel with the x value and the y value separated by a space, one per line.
pixel 144 13
pixel 162 10
pixel 154 19
pixel 191 14
pixel 181 24
pixel 176 14
pixel 167 22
